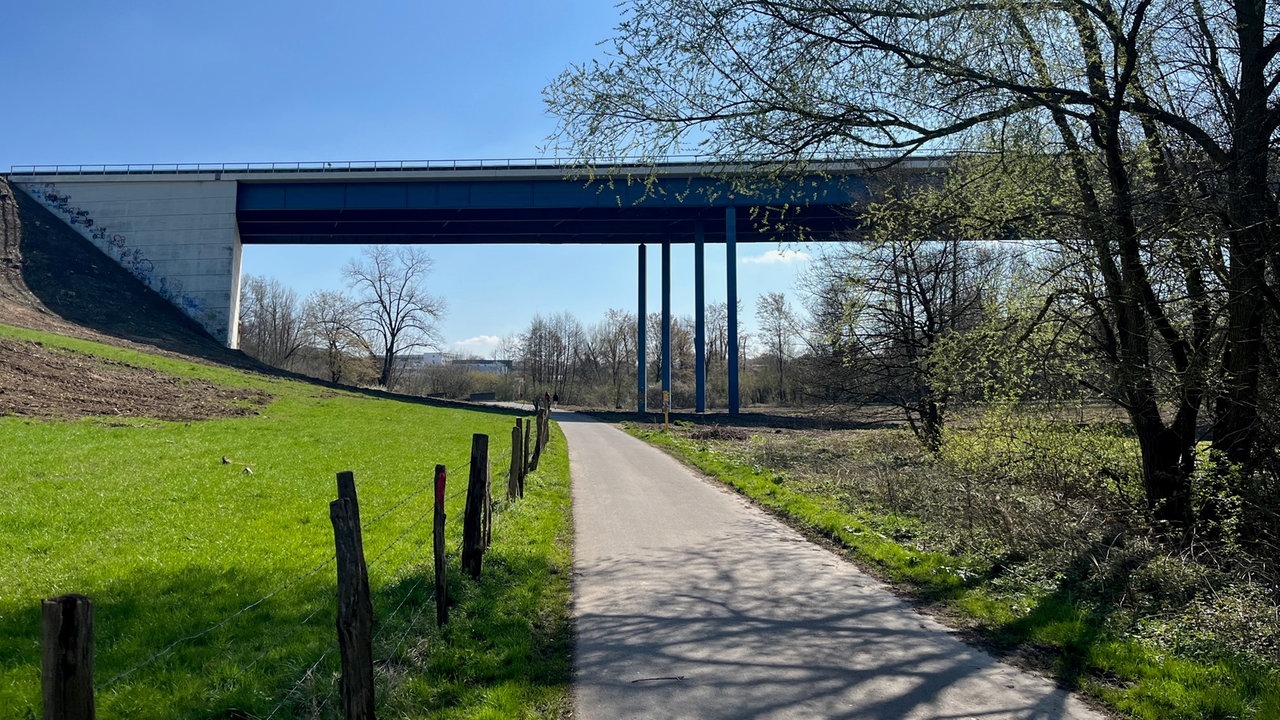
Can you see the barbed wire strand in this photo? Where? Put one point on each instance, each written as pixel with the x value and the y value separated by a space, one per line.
pixel 412 623
pixel 412 526
pixel 276 642
pixel 402 503
pixel 169 648
pixel 310 671
pixel 384 622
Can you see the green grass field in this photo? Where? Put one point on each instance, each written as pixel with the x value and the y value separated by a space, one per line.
pixel 214 589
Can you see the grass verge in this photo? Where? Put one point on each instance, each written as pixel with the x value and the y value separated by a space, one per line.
pixel 214 587
pixel 1053 627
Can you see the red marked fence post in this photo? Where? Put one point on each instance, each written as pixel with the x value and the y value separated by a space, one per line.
pixel 67 662
pixel 473 516
pixel 442 593
pixel 355 610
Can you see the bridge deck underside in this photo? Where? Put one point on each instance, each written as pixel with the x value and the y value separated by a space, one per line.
pixel 542 210
pixel 536 225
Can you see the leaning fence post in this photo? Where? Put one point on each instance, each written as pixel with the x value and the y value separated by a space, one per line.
pixel 355 610
pixel 442 592
pixel 513 478
pixel 67 658
pixel 529 464
pixel 537 443
pixel 472 519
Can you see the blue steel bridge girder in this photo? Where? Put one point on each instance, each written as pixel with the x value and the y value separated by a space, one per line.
pixel 641 369
pixel 731 299
pixel 699 320
pixel 666 319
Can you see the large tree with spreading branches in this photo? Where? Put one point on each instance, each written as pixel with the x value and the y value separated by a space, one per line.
pixel 1157 117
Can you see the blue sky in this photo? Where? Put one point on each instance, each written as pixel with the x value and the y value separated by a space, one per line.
pixel 91 82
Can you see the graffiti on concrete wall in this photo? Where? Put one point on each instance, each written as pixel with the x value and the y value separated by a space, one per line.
pixel 116 245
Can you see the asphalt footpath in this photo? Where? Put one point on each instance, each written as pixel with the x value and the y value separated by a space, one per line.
pixel 689 602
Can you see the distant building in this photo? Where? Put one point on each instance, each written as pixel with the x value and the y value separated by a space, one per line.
pixel 421 361
pixel 425 361
pixel 495 367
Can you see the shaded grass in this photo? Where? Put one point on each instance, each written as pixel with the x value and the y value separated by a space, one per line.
pixel 1063 631
pixel 145 518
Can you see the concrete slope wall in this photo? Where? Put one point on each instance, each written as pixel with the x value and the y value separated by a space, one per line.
pixel 176 235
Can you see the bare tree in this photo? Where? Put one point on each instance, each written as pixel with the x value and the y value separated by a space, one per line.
pixel 550 349
pixel 332 321
pixel 271 321
pixel 615 341
pixel 396 312
pixel 778 331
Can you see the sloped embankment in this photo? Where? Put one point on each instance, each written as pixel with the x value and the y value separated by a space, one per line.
pixel 53 280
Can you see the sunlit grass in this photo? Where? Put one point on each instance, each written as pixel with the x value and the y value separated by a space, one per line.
pixel 145 518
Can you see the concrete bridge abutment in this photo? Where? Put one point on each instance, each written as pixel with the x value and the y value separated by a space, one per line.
pixel 178 237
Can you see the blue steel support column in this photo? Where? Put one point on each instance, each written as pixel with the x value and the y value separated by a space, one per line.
pixel 641 386
pixel 699 323
pixel 666 316
pixel 731 266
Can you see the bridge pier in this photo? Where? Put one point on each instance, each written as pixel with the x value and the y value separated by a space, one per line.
pixel 666 319
pixel 699 321
pixel 731 299
pixel 641 379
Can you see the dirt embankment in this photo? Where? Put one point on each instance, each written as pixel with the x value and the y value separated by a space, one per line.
pixel 53 279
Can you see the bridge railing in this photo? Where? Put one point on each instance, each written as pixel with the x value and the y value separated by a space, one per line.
pixel 347 166
pixel 321 166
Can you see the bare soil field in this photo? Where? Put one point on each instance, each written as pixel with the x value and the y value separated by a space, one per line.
pixel 54 280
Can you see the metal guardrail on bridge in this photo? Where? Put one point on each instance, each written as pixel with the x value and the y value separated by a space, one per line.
pixel 277 167
pixel 401 165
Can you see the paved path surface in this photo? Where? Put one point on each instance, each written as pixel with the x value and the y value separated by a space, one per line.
pixel 691 603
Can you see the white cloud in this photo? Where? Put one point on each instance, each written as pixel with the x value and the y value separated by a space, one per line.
pixel 778 257
pixel 483 346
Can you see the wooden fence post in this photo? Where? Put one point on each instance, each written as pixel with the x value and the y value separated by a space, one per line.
pixel 537 443
pixel 442 590
pixel 528 454
pixel 488 505
pixel 67 658
pixel 347 489
pixel 472 518
pixel 355 609
pixel 513 479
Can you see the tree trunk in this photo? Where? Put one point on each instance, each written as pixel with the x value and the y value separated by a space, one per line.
pixel 1252 215
pixel 1166 472
pixel 384 378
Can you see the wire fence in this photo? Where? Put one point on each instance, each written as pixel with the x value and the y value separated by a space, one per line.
pixel 499 464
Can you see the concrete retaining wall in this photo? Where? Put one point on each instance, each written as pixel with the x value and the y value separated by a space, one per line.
pixel 178 236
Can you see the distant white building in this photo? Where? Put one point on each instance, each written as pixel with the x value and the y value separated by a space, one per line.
pixel 421 361
pixel 495 367
pixel 424 361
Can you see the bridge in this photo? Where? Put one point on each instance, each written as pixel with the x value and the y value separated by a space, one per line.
pixel 180 228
